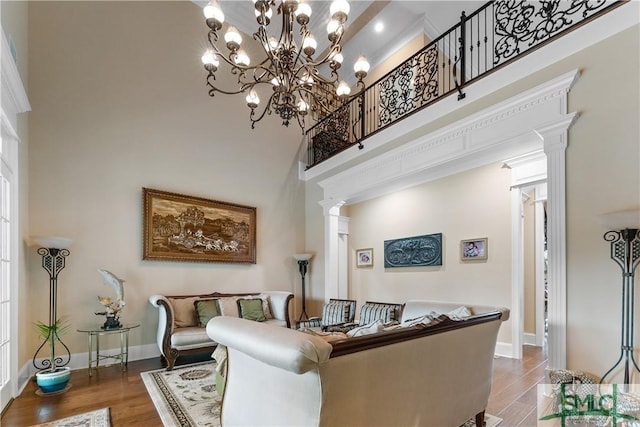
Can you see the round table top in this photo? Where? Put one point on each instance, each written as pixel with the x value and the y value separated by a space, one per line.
pixel 99 328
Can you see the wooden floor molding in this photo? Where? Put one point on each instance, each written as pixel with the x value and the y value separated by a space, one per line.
pixel 513 396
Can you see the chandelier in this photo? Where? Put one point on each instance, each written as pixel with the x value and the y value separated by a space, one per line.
pixel 288 73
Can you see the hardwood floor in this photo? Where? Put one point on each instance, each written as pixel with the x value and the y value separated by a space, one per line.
pixel 513 396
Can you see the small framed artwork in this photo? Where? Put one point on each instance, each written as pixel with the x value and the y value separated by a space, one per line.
pixel 364 257
pixel 474 249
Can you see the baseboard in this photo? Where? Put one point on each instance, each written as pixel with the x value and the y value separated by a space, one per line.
pixel 530 339
pixel 81 361
pixel 504 349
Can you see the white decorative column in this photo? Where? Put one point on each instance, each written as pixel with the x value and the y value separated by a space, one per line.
pixel 541 199
pixel 343 257
pixel 555 138
pixel 331 248
pixel 517 272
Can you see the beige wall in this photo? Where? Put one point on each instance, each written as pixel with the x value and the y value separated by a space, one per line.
pixel 468 205
pixel 119 103
pixel 602 176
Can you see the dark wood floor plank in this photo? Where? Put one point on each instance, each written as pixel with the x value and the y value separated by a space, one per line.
pixel 512 396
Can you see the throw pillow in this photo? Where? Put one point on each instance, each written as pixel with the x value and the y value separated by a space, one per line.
pixel 426 319
pixel 206 309
pixel 371 312
pixel 184 312
pixel 266 308
pixel 335 312
pixel 251 309
pixel 327 336
pixel 228 306
pixel 459 313
pixel 372 328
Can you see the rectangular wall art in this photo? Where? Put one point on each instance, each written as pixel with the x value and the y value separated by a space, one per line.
pixel 187 228
pixel 474 249
pixel 364 257
pixel 413 251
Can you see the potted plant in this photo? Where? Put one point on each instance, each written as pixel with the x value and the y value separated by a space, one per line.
pixel 54 378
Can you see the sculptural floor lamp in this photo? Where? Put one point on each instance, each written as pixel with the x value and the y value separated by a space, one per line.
pixel 625 251
pixel 53 251
pixel 303 262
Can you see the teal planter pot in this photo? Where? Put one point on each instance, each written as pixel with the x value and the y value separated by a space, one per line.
pixel 52 382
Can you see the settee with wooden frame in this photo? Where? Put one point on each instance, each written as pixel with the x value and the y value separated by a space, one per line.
pixel 180 332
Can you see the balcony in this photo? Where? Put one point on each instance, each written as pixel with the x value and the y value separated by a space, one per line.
pixel 488 39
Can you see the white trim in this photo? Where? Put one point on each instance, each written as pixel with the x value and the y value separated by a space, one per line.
pixel 555 143
pixel 526 170
pixel 331 249
pixel 13 101
pixel 14 97
pixel 541 198
pixel 530 339
pixel 504 349
pixel 343 257
pixel 517 273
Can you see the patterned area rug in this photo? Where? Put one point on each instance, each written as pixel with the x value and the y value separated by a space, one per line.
pixel 187 397
pixel 97 418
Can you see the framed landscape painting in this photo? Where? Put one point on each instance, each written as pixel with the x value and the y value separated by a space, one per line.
pixel 188 228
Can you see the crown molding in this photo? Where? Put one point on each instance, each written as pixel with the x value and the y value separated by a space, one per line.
pixel 465 144
pixel 14 97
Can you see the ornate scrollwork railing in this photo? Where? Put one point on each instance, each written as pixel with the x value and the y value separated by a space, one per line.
pixel 493 36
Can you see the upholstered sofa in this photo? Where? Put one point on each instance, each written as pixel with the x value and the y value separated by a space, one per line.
pixel 437 373
pixel 182 319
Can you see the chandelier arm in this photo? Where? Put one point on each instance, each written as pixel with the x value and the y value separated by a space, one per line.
pixel 214 88
pixel 334 47
pixel 267 109
pixel 235 67
pixel 320 77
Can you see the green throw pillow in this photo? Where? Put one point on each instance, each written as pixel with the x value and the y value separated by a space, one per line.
pixel 206 309
pixel 251 309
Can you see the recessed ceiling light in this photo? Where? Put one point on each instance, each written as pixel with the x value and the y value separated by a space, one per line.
pixel 379 27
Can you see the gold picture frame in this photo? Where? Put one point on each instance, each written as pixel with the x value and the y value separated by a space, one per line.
pixel 178 227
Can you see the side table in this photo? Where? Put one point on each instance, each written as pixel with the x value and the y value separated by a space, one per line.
pixel 97 331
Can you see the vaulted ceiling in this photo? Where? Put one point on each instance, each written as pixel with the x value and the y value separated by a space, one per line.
pixel 374 29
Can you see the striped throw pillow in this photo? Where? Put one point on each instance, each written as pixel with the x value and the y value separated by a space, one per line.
pixel 335 312
pixel 369 313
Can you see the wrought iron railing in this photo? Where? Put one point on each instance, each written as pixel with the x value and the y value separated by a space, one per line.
pixel 492 37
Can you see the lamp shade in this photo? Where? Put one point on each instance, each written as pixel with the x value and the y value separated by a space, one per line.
pixel 51 242
pixel 620 220
pixel 303 257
